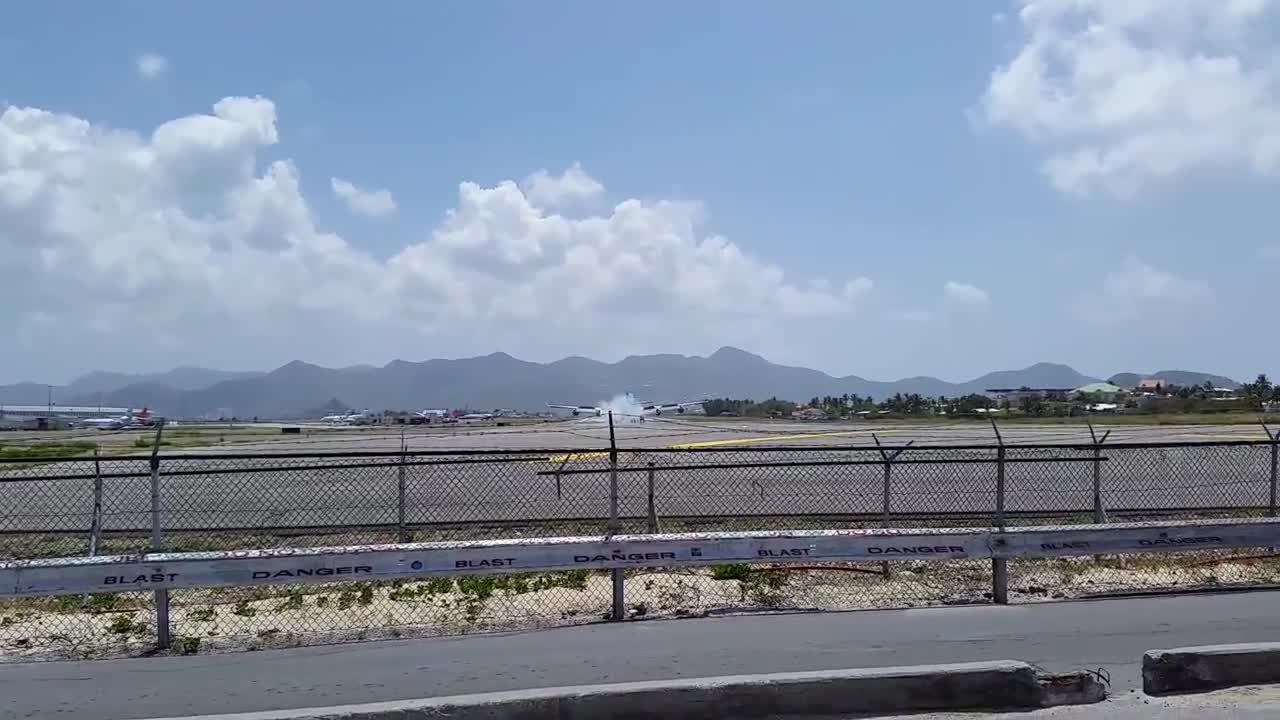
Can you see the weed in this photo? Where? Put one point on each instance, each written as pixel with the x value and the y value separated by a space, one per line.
pixel 439 586
pixel 293 601
pixel 244 609
pixel 123 625
pixel 101 602
pixel 732 571
pixel 764 587
pixel 204 614
pixel 187 645
pixel 480 587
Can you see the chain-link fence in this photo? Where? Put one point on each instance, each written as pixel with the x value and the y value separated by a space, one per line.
pixel 111 505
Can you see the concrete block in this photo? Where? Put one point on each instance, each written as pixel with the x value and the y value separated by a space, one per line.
pixel 970 686
pixel 1209 667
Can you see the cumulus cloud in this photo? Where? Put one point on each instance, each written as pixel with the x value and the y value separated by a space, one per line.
pixel 964 294
pixel 1123 95
pixel 574 184
pixel 180 241
pixel 374 203
pixel 1137 291
pixel 151 65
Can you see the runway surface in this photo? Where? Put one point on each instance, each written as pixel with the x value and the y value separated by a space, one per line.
pixel 1064 636
pixel 721 468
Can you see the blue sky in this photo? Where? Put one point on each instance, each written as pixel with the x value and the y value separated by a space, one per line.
pixel 871 143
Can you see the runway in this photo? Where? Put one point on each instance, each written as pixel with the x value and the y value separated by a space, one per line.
pixel 719 432
pixel 723 473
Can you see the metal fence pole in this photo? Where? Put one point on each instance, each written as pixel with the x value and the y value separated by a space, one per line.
pixel 615 525
pixel 999 566
pixel 95 522
pixel 157 541
pixel 95 526
pixel 402 530
pixel 1099 510
pixel 885 514
pixel 1275 452
pixel 653 508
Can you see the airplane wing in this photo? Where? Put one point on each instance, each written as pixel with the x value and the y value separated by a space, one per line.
pixel 577 410
pixel 679 407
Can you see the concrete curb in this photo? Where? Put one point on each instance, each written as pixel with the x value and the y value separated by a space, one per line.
pixel 1209 667
pixel 969 686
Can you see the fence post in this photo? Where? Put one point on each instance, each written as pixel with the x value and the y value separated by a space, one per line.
pixel 157 540
pixel 618 612
pixel 95 526
pixel 1275 452
pixel 402 530
pixel 999 566
pixel 95 522
pixel 1099 511
pixel 885 517
pixel 653 508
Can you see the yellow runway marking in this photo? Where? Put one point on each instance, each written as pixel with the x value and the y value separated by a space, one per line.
pixel 559 459
pixel 574 456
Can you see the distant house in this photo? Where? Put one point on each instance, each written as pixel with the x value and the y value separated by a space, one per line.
pixel 810 414
pixel 1101 391
pixel 1014 395
pixel 1152 384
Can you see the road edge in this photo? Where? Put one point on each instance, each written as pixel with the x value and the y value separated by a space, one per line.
pixel 997 685
pixel 1209 667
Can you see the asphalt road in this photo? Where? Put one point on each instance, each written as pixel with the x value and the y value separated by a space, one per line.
pixel 1108 634
pixel 218 493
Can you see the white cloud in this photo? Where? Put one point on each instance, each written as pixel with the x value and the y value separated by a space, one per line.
pixel 1137 291
pixel 1122 95
pixel 151 65
pixel 964 294
pixel 374 203
pixel 549 191
pixel 116 243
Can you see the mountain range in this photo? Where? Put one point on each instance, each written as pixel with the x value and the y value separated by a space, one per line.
pixel 499 380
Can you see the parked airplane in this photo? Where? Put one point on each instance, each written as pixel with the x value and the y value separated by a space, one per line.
pixel 628 406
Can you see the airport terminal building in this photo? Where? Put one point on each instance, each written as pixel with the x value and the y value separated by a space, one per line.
pixel 44 416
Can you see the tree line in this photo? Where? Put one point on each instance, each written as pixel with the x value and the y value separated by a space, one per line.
pixel 1162 399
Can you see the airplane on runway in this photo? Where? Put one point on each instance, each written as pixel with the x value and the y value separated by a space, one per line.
pixel 630 406
pixel 351 418
pixel 141 419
